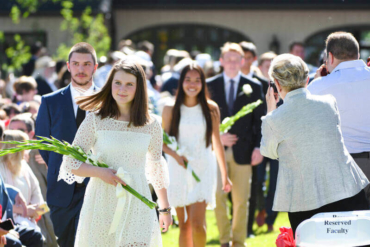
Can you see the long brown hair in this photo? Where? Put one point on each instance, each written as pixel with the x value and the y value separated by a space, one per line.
pixel 13 161
pixel 105 105
pixel 202 98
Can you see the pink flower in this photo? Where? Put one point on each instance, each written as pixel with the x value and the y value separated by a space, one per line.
pixel 285 238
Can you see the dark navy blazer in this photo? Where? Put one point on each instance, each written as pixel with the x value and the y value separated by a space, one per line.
pixel 7 197
pixel 56 118
pixel 247 128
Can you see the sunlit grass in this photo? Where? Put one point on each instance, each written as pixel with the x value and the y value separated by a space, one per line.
pixel 262 239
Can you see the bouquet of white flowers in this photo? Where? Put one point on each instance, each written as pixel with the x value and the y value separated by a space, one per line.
pixel 171 142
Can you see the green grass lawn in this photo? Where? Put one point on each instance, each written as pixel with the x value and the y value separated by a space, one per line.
pixel 262 239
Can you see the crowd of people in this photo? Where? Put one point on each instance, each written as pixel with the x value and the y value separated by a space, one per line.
pixel 313 150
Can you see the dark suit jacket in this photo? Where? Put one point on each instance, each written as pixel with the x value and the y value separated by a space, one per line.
pixel 264 82
pixel 7 197
pixel 29 67
pixel 56 118
pixel 42 86
pixel 248 128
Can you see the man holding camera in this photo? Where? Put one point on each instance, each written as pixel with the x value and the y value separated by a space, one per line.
pixel 349 82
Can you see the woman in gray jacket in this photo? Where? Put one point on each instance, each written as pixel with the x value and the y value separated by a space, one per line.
pixel 316 172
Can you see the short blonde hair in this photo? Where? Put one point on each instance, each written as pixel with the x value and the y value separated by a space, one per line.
pixel 289 70
pixel 267 56
pixel 228 46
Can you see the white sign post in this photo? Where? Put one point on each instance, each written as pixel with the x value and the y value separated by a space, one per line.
pixel 334 231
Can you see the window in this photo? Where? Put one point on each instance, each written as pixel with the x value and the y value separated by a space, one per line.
pixel 189 37
pixel 315 44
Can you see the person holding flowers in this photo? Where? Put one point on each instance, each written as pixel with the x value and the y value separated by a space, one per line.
pixel 232 91
pixel 194 121
pixel 120 133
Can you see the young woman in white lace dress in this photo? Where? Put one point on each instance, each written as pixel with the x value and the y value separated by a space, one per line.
pixel 194 120
pixel 122 134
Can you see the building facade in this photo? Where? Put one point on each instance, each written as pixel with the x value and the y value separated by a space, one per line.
pixel 206 26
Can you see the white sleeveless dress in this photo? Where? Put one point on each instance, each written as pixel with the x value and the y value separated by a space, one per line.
pixel 184 189
pixel 138 150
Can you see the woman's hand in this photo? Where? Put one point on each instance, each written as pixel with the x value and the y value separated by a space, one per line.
pixel 270 100
pixel 2 240
pixel 2 231
pixel 165 220
pixel 227 185
pixel 33 211
pixel 108 176
pixel 181 160
pixel 20 206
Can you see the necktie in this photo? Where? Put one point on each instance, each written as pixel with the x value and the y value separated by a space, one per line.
pixel 80 116
pixel 231 97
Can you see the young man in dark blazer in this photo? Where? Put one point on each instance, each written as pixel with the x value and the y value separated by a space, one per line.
pixel 241 142
pixel 59 116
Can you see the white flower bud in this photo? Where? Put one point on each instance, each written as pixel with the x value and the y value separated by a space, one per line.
pixel 247 89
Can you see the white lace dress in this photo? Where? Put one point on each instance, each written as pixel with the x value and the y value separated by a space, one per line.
pixel 138 150
pixel 184 189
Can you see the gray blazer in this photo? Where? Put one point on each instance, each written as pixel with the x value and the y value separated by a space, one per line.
pixel 315 167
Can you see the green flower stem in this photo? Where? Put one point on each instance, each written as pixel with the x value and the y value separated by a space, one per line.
pixel 64 148
pixel 227 123
pixel 167 141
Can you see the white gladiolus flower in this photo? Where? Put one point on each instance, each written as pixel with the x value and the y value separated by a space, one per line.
pixel 247 89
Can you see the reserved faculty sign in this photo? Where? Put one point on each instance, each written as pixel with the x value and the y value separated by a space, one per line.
pixel 334 229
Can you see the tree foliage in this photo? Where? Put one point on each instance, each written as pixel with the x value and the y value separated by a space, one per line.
pixel 85 28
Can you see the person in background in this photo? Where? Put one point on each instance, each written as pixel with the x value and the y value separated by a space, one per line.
pixel 25 123
pixel 36 51
pixel 25 88
pixel 241 142
pixel 16 172
pixel 349 82
pixel 171 84
pixel 12 201
pixel 63 75
pixel 148 48
pixel 65 200
pixel 264 63
pixel 194 113
pixel 316 173
pixel 298 49
pixel 45 75
pixel 101 74
pixel 250 56
pixel 11 110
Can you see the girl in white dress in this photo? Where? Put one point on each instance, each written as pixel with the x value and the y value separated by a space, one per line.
pixel 194 120
pixel 122 134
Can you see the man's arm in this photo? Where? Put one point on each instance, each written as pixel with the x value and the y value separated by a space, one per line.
pixel 43 126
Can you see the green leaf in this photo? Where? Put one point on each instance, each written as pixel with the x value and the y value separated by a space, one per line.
pixel 15 14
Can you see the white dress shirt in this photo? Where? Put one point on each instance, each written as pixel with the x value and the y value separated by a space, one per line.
pixel 79 92
pixel 349 83
pixel 227 85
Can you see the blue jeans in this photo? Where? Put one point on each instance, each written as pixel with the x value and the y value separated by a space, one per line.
pixel 27 236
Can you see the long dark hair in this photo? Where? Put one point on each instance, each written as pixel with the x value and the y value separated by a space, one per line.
pixel 202 98
pixel 104 103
